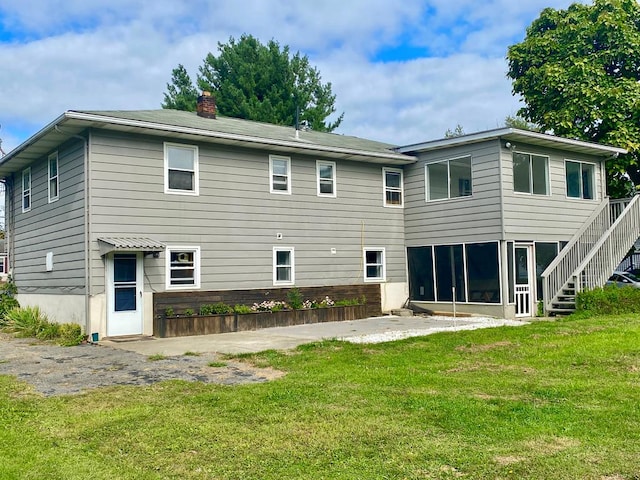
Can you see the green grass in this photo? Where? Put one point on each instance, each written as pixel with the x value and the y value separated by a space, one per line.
pixel 156 357
pixel 549 400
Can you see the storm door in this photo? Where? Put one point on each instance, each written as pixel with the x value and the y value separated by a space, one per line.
pixel 525 280
pixel 124 294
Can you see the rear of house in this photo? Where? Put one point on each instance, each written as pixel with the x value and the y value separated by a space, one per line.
pixel 108 209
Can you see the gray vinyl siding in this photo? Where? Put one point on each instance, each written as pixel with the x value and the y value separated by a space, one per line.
pixel 546 218
pixel 235 219
pixel 475 218
pixel 56 227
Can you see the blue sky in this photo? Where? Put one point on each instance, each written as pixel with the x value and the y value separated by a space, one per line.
pixel 403 72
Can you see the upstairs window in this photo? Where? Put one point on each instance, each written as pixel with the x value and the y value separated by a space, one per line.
pixel 53 177
pixel 280 173
pixel 392 187
pixel 183 267
pixel 530 174
pixel 580 179
pixel 26 190
pixel 326 172
pixel 181 169
pixel 449 179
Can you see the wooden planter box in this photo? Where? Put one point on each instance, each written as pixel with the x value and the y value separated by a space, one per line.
pixel 208 324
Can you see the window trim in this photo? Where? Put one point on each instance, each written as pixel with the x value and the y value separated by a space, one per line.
pixel 196 266
pixel 547 175
pixel 53 156
pixel 196 169
pixel 367 279
pixel 271 174
pixel 392 189
pixel 292 265
pixel 26 192
pixel 319 164
pixel 449 197
pixel 593 180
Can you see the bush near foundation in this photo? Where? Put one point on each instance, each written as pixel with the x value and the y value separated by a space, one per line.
pixel 31 322
pixel 8 302
pixel 609 300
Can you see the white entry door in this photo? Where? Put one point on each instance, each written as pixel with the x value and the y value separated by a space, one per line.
pixel 124 294
pixel 525 280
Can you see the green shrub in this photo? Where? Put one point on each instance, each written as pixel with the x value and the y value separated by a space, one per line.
pixel 48 331
pixel 218 308
pixel 242 309
pixel 168 312
pixel 294 298
pixel 348 302
pixel 8 302
pixel 26 321
pixel 189 312
pixel 609 300
pixel 70 334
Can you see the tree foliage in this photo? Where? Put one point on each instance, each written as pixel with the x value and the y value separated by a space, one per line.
pixel 258 82
pixel 578 71
pixel 181 94
pixel 456 132
pixel 520 123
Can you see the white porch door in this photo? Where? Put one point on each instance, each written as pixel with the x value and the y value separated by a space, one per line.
pixel 525 280
pixel 124 294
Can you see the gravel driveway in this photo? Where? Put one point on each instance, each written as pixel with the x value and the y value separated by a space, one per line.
pixel 53 370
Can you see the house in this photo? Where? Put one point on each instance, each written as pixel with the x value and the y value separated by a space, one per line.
pixel 109 211
pixel 494 219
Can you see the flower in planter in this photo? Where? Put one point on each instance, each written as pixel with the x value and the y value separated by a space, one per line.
pixel 269 306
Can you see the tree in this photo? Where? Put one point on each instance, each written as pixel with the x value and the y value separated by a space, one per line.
pixel 520 123
pixel 181 94
pixel 578 72
pixel 262 82
pixel 456 132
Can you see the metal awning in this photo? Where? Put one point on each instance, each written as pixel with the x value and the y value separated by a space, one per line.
pixel 129 244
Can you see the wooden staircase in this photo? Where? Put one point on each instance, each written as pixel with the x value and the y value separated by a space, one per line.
pixel 592 254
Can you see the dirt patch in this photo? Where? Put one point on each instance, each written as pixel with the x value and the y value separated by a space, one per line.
pixel 551 445
pixel 54 370
pixel 484 347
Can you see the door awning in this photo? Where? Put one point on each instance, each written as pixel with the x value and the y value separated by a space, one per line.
pixel 129 244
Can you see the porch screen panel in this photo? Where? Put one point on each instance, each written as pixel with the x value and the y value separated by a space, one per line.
pixel 450 272
pixel 420 261
pixel 545 253
pixel 511 272
pixel 483 274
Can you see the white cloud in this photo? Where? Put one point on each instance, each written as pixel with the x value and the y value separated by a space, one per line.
pixel 118 54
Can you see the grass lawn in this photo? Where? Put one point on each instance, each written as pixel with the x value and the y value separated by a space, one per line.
pixel 551 400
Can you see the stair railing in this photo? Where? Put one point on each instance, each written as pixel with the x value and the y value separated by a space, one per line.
pixel 558 273
pixel 614 245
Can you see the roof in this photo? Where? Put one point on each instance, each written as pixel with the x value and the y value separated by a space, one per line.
pixel 188 126
pixel 517 136
pixel 129 244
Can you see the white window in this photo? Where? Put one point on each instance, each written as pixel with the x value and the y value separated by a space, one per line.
pixel 182 268
pixel 580 179
pixel 283 266
pixel 392 187
pixel 374 265
pixel 181 169
pixel 326 172
pixel 449 179
pixel 26 189
pixel 530 174
pixel 280 174
pixel 53 177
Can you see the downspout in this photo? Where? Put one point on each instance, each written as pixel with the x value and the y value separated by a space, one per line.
pixel 87 241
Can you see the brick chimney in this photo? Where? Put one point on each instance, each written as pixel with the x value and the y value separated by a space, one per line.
pixel 206 106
